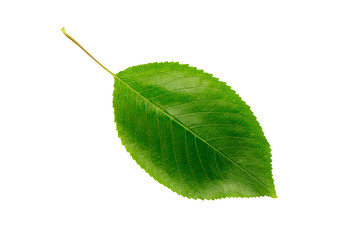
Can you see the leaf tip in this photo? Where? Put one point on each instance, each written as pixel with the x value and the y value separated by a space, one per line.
pixel 273 195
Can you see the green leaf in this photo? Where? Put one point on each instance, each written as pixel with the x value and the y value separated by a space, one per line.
pixel 191 132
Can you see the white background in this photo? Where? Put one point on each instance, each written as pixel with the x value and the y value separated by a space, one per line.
pixel 64 173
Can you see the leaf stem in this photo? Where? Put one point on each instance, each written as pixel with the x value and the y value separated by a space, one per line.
pixel 74 41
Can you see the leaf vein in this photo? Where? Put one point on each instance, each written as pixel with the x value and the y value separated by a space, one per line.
pixel 215 160
pixel 175 156
pixel 187 155
pixel 199 101
pixel 200 160
pixel 173 79
pixel 181 89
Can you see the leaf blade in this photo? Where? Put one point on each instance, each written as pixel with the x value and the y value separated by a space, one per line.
pixel 188 103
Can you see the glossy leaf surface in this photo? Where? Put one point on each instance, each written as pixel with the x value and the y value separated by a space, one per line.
pixel 191 132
